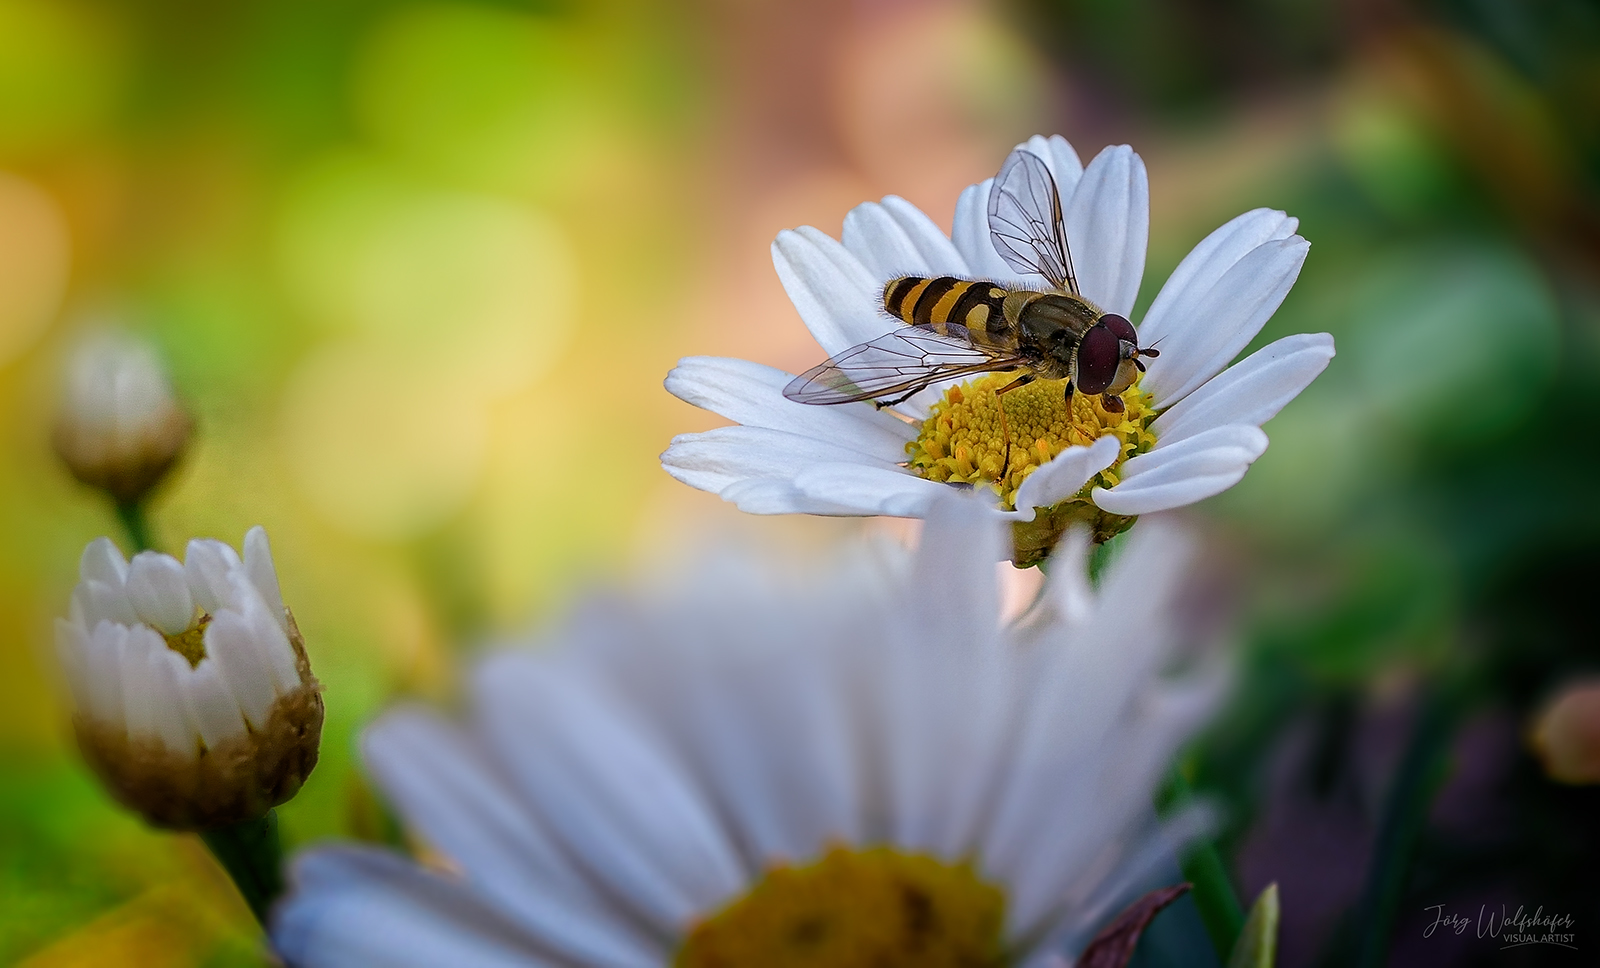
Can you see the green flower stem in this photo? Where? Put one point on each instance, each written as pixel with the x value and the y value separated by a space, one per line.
pixel 251 855
pixel 1202 866
pixel 1419 777
pixel 1214 896
pixel 131 513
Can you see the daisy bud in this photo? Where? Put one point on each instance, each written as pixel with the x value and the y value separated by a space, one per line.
pixel 195 702
pixel 120 428
pixel 1566 734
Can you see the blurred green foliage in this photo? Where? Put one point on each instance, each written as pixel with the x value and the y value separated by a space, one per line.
pixel 1411 543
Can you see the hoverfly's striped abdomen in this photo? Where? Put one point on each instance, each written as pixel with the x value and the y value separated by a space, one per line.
pixel 942 300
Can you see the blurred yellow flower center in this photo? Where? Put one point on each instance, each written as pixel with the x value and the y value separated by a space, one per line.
pixel 961 441
pixel 874 908
pixel 191 642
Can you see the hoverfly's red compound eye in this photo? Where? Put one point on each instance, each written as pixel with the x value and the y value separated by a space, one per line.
pixel 1120 327
pixel 1098 356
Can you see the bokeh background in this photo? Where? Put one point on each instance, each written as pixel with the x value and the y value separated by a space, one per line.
pixel 419 268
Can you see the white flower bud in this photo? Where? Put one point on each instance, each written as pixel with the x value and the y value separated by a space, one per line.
pixel 120 428
pixel 194 698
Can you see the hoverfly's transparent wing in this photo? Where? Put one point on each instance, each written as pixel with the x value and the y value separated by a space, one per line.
pixel 1025 221
pixel 895 365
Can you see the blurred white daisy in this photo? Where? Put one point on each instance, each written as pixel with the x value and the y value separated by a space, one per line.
pixel 194 700
pixel 872 772
pixel 1190 429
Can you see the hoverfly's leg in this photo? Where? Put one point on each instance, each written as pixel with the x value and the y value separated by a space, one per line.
pixel 880 404
pixel 1069 393
pixel 1112 403
pixel 1005 426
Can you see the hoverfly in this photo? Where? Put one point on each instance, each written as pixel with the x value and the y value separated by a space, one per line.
pixel 961 327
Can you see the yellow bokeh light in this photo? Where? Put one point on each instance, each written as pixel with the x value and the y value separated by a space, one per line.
pixel 457 282
pixel 379 447
pixel 34 259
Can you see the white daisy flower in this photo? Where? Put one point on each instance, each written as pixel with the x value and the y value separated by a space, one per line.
pixel 872 772
pixel 120 427
pixel 1189 426
pixel 194 700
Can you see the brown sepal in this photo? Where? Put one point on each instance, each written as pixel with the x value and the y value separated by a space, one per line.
pixel 1114 945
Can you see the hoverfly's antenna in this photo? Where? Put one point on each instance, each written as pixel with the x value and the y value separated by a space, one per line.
pixel 1149 351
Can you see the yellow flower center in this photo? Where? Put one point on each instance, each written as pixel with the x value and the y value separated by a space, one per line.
pixel 191 642
pixel 872 908
pixel 962 443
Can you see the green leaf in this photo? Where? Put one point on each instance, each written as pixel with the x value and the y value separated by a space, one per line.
pixel 1258 942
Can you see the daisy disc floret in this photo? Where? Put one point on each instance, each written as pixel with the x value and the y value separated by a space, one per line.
pixel 1191 428
pixel 194 700
pixel 860 769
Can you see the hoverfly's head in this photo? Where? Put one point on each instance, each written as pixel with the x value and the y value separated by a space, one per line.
pixel 1108 356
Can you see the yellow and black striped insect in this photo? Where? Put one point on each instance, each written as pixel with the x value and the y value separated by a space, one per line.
pixel 961 327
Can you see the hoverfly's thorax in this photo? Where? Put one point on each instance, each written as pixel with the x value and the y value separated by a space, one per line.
pixel 1053 322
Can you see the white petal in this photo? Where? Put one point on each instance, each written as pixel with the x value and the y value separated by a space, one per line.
pixel 259 568
pixel 943 692
pixel 1089 740
pixel 102 561
pixel 894 238
pixel 752 394
pixel 885 248
pixel 1068 585
pixel 104 673
pixel 717 458
pixel 970 235
pixel 1062 160
pixel 1148 498
pixel 605 786
pixel 1212 319
pixel 961 541
pixel 1108 228
pixel 103 601
pixel 1210 261
pixel 159 592
pixel 172 724
pixel 444 787
pixel 360 906
pixel 1251 391
pixel 1246 438
pixel 206 564
pixel 1190 471
pixel 778 496
pixel 1066 474
pixel 839 300
pixel 231 641
pixel 870 490
pixel 731 705
pixel 139 690
pixel 934 246
pixel 209 705
pixel 271 643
